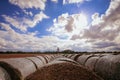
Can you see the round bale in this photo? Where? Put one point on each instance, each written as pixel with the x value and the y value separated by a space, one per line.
pixel 49 57
pixel 83 58
pixel 36 61
pixel 43 59
pixel 63 70
pixel 115 67
pixel 64 60
pixel 4 74
pixel 103 67
pixel 91 62
pixel 18 68
pixel 75 56
pixel 69 55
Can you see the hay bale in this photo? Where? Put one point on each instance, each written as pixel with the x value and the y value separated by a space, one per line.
pixel 4 74
pixel 115 67
pixel 36 61
pixel 103 67
pixel 64 60
pixel 83 58
pixel 105 54
pixel 69 55
pixel 43 59
pixel 64 70
pixel 91 62
pixel 75 56
pixel 49 57
pixel 18 68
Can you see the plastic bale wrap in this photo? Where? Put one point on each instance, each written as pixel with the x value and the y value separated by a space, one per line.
pixel 43 59
pixel 4 74
pixel 75 56
pixel 63 70
pixel 64 60
pixel 69 55
pixel 18 68
pixel 103 67
pixel 49 57
pixel 115 67
pixel 36 61
pixel 91 62
pixel 83 58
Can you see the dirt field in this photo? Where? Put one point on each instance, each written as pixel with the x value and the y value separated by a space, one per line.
pixel 17 55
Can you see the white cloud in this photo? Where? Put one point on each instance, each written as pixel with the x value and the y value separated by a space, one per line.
pixel 54 1
pixel 102 35
pixel 23 23
pixel 11 40
pixel 73 1
pixel 38 4
pixel 105 28
pixel 28 13
pixel 66 25
pixel 14 41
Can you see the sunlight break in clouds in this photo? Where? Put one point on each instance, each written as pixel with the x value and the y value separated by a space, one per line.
pixel 22 27
pixel 67 25
pixel 107 29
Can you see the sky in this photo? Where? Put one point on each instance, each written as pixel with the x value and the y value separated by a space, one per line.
pixel 45 25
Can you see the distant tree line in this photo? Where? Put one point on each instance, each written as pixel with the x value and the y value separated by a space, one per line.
pixel 60 52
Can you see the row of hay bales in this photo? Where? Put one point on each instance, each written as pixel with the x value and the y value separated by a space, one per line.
pixel 20 68
pixel 105 65
pixel 63 69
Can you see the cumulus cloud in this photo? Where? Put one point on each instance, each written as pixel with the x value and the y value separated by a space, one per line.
pixel 12 40
pixel 104 28
pixel 66 25
pixel 108 25
pixel 54 1
pixel 23 23
pixel 73 1
pixel 103 33
pixel 38 4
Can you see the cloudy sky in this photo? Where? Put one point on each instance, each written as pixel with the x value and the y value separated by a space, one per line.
pixel 44 25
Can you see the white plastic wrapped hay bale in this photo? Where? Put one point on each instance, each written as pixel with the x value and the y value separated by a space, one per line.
pixel 115 67
pixel 4 74
pixel 75 56
pixel 103 67
pixel 36 61
pixel 83 58
pixel 64 60
pixel 70 55
pixel 91 62
pixel 49 57
pixel 43 59
pixel 63 70
pixel 18 68
pixel 105 54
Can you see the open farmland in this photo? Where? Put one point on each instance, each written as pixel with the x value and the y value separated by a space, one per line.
pixel 17 55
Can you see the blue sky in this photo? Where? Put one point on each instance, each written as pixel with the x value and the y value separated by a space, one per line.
pixel 44 25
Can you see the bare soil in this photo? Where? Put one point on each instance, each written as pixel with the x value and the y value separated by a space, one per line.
pixel 19 55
